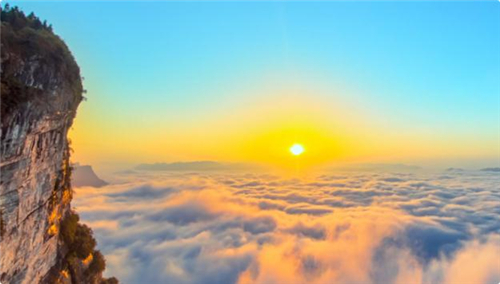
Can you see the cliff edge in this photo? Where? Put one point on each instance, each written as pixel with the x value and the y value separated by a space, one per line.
pixel 41 240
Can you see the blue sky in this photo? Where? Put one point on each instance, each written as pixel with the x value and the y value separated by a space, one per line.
pixel 431 67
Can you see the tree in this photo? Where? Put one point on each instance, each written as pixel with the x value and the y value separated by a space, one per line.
pixel 37 24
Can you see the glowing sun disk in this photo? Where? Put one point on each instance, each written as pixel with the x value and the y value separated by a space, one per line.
pixel 297 149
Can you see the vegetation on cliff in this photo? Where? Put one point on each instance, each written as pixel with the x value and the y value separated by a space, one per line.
pixel 31 39
pixel 81 249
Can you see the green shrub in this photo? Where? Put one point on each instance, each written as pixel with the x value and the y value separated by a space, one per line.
pixel 77 237
pixel 97 265
pixel 84 243
pixel 68 228
pixel 111 280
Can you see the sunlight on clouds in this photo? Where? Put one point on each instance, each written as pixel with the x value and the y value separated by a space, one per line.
pixel 254 228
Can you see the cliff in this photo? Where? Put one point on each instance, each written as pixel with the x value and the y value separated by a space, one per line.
pixel 41 89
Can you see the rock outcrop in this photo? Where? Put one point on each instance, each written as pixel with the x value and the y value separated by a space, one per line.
pixel 84 175
pixel 41 89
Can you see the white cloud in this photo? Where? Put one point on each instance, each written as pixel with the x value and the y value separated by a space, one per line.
pixel 248 228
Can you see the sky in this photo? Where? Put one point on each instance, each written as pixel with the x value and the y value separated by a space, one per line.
pixel 413 82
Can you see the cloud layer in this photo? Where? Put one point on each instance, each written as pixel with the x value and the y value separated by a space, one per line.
pixel 336 228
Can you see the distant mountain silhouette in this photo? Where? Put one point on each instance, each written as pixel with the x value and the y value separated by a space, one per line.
pixel 454 170
pixel 192 166
pixel 496 170
pixel 381 167
pixel 126 172
pixel 85 176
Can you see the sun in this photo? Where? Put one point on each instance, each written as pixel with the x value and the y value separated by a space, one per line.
pixel 297 149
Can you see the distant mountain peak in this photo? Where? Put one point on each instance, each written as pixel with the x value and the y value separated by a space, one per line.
pixel 84 175
pixel 194 166
pixel 496 169
pixel 454 170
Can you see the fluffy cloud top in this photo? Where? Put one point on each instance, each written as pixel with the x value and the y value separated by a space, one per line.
pixel 250 228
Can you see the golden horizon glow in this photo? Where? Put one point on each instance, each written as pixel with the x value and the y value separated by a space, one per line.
pixel 256 131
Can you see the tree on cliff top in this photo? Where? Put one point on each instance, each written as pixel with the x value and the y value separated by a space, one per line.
pixel 18 20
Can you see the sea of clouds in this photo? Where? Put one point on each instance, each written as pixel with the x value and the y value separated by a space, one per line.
pixel 333 228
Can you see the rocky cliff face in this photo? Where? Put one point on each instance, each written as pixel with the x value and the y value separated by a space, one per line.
pixel 41 89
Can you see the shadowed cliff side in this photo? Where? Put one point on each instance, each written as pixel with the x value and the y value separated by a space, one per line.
pixel 40 237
